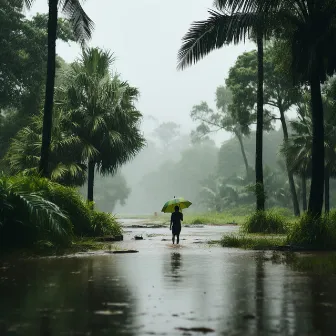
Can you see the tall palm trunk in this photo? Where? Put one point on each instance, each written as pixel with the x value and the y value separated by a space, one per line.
pixel 50 88
pixel 317 180
pixel 295 201
pixel 260 193
pixel 91 170
pixel 304 191
pixel 242 149
pixel 327 189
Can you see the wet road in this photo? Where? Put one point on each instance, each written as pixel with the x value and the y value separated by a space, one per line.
pixel 165 290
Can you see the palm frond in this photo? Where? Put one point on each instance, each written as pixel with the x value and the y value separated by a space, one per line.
pixel 28 3
pixel 219 29
pixel 237 5
pixel 45 214
pixel 82 24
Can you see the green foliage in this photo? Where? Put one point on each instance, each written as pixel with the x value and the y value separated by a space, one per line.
pixel 265 222
pixel 23 63
pixel 26 215
pixel 65 163
pixel 104 224
pixel 220 218
pixel 35 209
pixel 82 26
pixel 315 233
pixel 102 112
pixel 110 136
pixel 253 242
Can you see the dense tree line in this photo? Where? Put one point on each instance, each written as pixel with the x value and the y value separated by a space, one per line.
pixel 64 122
pixel 304 32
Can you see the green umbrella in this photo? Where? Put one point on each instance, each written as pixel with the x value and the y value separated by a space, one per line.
pixel 180 202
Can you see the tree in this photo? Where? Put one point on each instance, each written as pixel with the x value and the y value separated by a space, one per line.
pixel 279 93
pixel 307 29
pixel 103 114
pixel 224 118
pixel 82 28
pixel 167 132
pixel 23 61
pixel 111 190
pixel 221 29
pixel 299 149
pixel 65 165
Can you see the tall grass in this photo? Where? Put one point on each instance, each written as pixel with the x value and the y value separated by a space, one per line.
pixel 104 224
pixel 315 233
pixel 214 218
pixel 253 242
pixel 265 222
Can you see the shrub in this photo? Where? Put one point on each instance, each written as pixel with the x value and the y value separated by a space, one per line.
pixel 265 222
pixel 72 203
pixel 198 221
pixel 104 224
pixel 26 215
pixel 285 212
pixel 35 209
pixel 68 199
pixel 315 233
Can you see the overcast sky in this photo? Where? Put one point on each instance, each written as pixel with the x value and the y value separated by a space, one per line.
pixel 145 36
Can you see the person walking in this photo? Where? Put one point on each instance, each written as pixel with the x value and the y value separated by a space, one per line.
pixel 175 224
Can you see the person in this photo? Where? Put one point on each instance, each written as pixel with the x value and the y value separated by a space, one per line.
pixel 175 224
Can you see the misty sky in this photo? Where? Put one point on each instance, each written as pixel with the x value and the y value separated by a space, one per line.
pixel 145 36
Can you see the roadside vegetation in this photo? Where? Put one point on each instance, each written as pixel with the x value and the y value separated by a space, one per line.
pixel 269 230
pixel 59 130
pixel 36 212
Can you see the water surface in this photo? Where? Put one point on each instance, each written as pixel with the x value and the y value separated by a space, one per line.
pixel 164 288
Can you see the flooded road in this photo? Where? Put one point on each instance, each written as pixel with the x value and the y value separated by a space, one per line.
pixel 191 289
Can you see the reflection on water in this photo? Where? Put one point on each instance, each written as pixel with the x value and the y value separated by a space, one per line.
pixel 175 266
pixel 232 293
pixel 63 297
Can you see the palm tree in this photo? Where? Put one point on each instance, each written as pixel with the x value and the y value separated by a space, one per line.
pixel 82 28
pixel 299 148
pixel 230 23
pixel 308 28
pixel 103 114
pixel 65 163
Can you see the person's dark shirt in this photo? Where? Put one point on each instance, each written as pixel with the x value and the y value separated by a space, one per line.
pixel 176 218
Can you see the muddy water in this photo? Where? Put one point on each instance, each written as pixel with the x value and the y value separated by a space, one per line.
pixel 165 290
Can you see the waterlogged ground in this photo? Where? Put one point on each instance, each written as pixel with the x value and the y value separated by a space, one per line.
pixel 191 289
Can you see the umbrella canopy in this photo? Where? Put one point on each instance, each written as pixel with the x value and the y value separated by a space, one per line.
pixel 180 202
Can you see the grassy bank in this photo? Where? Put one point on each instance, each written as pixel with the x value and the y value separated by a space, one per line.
pixel 268 230
pixel 236 215
pixel 214 218
pixel 253 241
pixel 192 218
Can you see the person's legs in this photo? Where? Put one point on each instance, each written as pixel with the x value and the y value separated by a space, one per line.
pixel 173 239
pixel 178 239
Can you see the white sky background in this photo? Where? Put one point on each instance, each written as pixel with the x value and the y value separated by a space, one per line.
pixel 145 36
